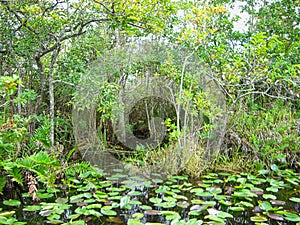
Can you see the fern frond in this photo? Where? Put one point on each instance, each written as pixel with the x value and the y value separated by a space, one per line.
pixel 16 175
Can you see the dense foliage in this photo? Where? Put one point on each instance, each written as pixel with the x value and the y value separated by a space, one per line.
pixel 48 47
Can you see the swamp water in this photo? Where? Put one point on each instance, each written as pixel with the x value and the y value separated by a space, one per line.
pixel 221 198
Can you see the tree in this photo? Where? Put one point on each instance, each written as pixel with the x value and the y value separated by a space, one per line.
pixel 40 32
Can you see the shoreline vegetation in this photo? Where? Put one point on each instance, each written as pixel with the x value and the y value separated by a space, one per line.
pixel 156 87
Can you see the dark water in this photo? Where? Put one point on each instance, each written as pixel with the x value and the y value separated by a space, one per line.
pixel 240 218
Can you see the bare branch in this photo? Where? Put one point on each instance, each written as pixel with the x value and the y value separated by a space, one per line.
pixel 105 7
pixel 63 82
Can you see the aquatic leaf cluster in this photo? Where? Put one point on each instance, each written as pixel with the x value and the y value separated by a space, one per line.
pixel 215 198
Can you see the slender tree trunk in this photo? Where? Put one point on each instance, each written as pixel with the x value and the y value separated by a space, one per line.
pixel 51 94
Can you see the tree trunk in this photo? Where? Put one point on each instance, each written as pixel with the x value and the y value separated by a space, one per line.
pixel 51 94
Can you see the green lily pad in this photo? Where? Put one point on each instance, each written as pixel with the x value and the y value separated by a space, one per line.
pixel 135 202
pixel 215 218
pixel 245 204
pixel 134 222
pixel 272 189
pixel 224 215
pixel 53 217
pixel 196 190
pixel 236 209
pixel 138 215
pixel 73 216
pixel 154 224
pixel 94 206
pixel 170 215
pixel 220 197
pixel 135 193
pixel 225 203
pixel 263 172
pixel 61 200
pixel 7 213
pixel 294 199
pixel 166 204
pixel 264 205
pixel 269 196
pixel 244 193
pixel 169 199
pixel 195 213
pixel 291 217
pixel 204 194
pixel 155 200
pixel 145 207
pixel 12 202
pixel 183 204
pixel 194 222
pixel 293 180
pixel 197 201
pixel 214 190
pixel 258 219
pixel 107 210
pixel 32 208
pixel 44 195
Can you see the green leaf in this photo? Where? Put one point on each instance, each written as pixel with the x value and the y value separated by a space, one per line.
pixel 292 217
pixel 155 200
pixel 32 208
pixel 7 213
pixel 138 215
pixel 258 219
pixel 274 167
pixel 246 204
pixel 294 199
pixel 269 196
pixel 236 209
pixel 134 222
pixel 264 205
pixel 166 204
pixel 124 201
pixel 2 182
pixel 12 202
pixel 107 210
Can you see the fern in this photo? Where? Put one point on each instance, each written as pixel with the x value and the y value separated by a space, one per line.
pixel 25 163
pixel 40 138
pixel 13 171
pixel 42 157
pixel 16 175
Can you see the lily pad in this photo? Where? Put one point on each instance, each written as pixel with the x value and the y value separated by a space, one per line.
pixel 152 212
pixel 107 210
pixel 145 207
pixel 7 213
pixel 166 204
pixel 170 215
pixel 205 194
pixel 12 202
pixel 258 219
pixel 236 209
pixel 291 217
pixel 294 199
pixel 44 195
pixel 245 204
pixel 134 222
pixel 264 205
pixel 269 196
pixel 183 204
pixel 32 208
pixel 155 200
pixel 138 215
pixel 276 217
